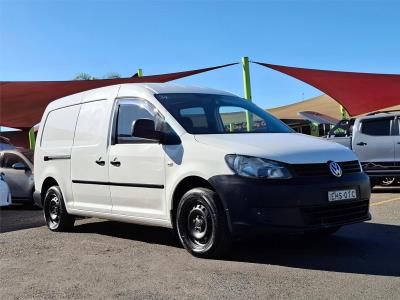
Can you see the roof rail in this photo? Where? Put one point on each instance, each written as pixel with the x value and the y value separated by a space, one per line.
pixel 383 112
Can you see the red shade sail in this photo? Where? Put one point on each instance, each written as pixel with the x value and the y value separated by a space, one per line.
pixel 23 103
pixel 359 93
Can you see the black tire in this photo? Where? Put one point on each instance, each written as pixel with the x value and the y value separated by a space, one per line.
pixel 55 213
pixel 201 224
pixel 323 233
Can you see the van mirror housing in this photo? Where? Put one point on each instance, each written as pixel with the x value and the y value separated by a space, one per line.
pixel 145 128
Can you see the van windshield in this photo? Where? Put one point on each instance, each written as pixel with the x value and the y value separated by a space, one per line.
pixel 220 114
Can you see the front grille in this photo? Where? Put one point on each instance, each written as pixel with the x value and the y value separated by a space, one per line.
pixel 335 213
pixel 323 169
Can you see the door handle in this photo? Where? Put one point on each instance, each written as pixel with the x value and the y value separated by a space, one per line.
pixel 361 144
pixel 100 162
pixel 115 162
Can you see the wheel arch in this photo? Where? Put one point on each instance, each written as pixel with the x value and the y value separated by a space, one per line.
pixel 47 183
pixel 188 183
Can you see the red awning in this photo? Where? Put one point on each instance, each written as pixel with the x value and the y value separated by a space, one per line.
pixel 23 103
pixel 359 93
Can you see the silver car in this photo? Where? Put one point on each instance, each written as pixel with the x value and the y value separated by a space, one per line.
pixel 375 138
pixel 16 167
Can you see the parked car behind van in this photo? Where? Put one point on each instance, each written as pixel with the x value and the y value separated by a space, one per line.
pixel 179 157
pixel 17 169
pixel 5 195
pixel 375 138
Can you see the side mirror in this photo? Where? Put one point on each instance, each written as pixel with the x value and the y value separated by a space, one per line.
pixel 19 166
pixel 145 128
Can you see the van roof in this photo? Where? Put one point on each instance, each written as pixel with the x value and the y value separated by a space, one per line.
pixel 164 88
pixel 153 88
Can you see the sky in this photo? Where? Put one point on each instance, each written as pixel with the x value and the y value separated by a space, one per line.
pixel 56 40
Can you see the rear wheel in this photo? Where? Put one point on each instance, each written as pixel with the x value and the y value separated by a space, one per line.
pixel 201 224
pixel 55 213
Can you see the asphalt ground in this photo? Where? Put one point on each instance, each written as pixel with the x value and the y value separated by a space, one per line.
pixel 104 259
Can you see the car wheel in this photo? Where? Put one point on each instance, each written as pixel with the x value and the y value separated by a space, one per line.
pixel 55 213
pixel 201 224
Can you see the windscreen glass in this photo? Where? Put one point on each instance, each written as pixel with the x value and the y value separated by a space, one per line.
pixel 220 114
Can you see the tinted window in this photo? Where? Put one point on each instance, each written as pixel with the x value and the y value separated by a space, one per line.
pixel 10 158
pixel 194 118
pixel 216 114
pixel 130 111
pixel 377 127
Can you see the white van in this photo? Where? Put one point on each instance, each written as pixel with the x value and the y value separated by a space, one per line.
pixel 207 163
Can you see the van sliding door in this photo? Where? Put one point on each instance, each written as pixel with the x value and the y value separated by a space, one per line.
pixel 89 165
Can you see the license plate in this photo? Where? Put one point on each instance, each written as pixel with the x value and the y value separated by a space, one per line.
pixel 342 195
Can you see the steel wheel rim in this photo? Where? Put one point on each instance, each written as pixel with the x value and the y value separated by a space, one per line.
pixel 199 224
pixel 53 210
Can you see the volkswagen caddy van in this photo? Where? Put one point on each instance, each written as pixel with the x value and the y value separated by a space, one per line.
pixel 206 163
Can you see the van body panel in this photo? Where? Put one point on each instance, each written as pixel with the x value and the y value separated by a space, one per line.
pixel 121 218
pixel 90 165
pixel 138 181
pixel 55 138
pixel 192 159
pixel 274 146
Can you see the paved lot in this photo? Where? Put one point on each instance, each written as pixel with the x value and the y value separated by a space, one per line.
pixel 102 259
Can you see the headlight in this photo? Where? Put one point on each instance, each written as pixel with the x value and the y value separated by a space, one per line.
pixel 256 167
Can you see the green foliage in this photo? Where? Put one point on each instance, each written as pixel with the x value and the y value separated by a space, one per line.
pixel 86 76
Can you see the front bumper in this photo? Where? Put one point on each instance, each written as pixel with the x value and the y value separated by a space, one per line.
pixel 298 204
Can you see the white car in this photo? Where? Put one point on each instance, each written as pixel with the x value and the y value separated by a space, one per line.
pixel 204 162
pixel 5 195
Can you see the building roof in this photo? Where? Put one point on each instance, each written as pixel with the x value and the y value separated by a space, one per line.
pixel 322 104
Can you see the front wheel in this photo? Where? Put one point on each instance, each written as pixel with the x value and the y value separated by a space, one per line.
pixel 201 224
pixel 55 213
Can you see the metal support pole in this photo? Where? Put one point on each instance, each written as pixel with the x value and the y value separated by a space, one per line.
pixel 32 139
pixel 314 128
pixel 140 72
pixel 343 113
pixel 247 88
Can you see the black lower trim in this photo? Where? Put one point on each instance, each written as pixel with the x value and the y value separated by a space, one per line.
pixel 298 204
pixel 141 185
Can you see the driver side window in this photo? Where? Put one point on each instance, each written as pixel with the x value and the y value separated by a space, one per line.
pixel 130 110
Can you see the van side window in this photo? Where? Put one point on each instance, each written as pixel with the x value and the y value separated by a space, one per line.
pixel 130 111
pixel 376 127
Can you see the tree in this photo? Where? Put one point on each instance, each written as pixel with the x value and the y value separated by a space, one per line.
pixel 86 76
